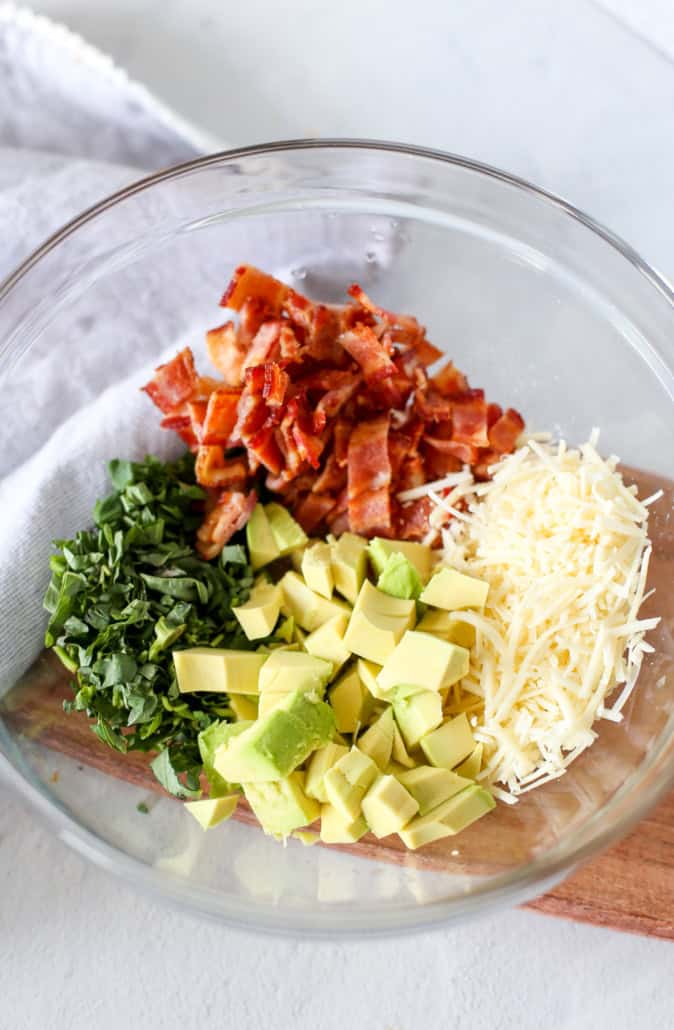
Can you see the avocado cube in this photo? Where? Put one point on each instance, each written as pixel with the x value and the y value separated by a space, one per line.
pixel 278 742
pixel 348 779
pixel 349 564
pixel 450 744
pixel 472 765
pixel 377 741
pixel 258 616
pixel 453 590
pixel 387 806
pixel 211 811
pixel 430 786
pixel 399 753
pixel 308 609
pixel 350 701
pixel 210 740
pixel 424 661
pixel 336 828
pixel 217 669
pixel 262 546
pixel 399 578
pixel 327 642
pixel 368 672
pixel 245 707
pixel 446 625
pixel 270 700
pixel 448 818
pixel 377 623
pixel 317 568
pixel 286 671
pixel 283 806
pixel 419 555
pixel 287 533
pixel 417 714
pixel 318 765
pixel 306 837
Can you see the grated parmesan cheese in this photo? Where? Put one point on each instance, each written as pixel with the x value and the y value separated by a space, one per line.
pixel 563 544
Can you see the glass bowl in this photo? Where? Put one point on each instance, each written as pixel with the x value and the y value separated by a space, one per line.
pixel 539 305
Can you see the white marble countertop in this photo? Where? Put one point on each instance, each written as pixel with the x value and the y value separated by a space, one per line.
pixel 578 97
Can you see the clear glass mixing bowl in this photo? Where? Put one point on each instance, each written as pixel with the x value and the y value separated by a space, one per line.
pixel 534 301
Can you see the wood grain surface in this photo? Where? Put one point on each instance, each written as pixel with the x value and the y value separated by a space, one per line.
pixel 629 887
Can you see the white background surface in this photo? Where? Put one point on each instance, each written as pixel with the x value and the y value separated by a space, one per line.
pixel 578 96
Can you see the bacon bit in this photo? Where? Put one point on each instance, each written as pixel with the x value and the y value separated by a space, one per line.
pixel 370 353
pixel 369 476
pixel 249 281
pixel 312 510
pixel 213 469
pixel 219 416
pixel 505 430
pixel 335 403
pixel 230 514
pixel 173 383
pixel 268 381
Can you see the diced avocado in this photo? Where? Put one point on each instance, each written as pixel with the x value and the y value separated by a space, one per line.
pixel 425 661
pixel 450 744
pixel 285 630
pixel 453 590
pixel 348 779
pixel 399 578
pixel 217 669
pixel 349 564
pixel 288 534
pixel 257 617
pixel 448 818
pixel 270 700
pixel 377 623
pixel 336 828
pixel 388 806
pixel 377 741
pixel 210 740
pixel 212 811
pixel 296 558
pixel 306 837
pixel 472 765
pixel 278 742
pixel 399 752
pixel 262 546
pixel 368 672
pixel 327 642
pixel 283 806
pixel 417 714
pixel 420 555
pixel 350 701
pixel 286 671
pixel 430 786
pixel 244 706
pixel 308 609
pixel 317 568
pixel 318 765
pixel 445 625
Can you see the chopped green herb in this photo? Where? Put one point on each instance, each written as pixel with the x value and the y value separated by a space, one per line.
pixel 125 594
pixel 142 808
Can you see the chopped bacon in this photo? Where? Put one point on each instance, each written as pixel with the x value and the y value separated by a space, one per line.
pixel 230 514
pixel 334 403
pixel 312 511
pixel 249 281
pixel 173 383
pixel 369 476
pixel 220 416
pixel 370 353
pixel 504 432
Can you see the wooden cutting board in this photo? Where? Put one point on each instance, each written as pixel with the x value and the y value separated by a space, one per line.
pixel 629 887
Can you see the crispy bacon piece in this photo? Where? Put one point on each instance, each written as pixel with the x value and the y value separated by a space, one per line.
pixel 505 430
pixel 362 344
pixel 265 345
pixel 219 416
pixel 369 476
pixel 465 453
pixel 268 381
pixel 431 406
pixel 332 479
pixel 263 445
pixel 412 473
pixel 225 352
pixel 249 281
pixel 213 469
pixel 317 325
pixel 182 425
pixel 230 513
pixel 449 381
pixel 469 419
pixel 412 519
pixel 173 383
pixel 312 510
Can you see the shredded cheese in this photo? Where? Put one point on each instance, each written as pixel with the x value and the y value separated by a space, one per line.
pixel 563 544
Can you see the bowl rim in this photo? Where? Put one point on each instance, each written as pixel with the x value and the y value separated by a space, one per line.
pixel 518 886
